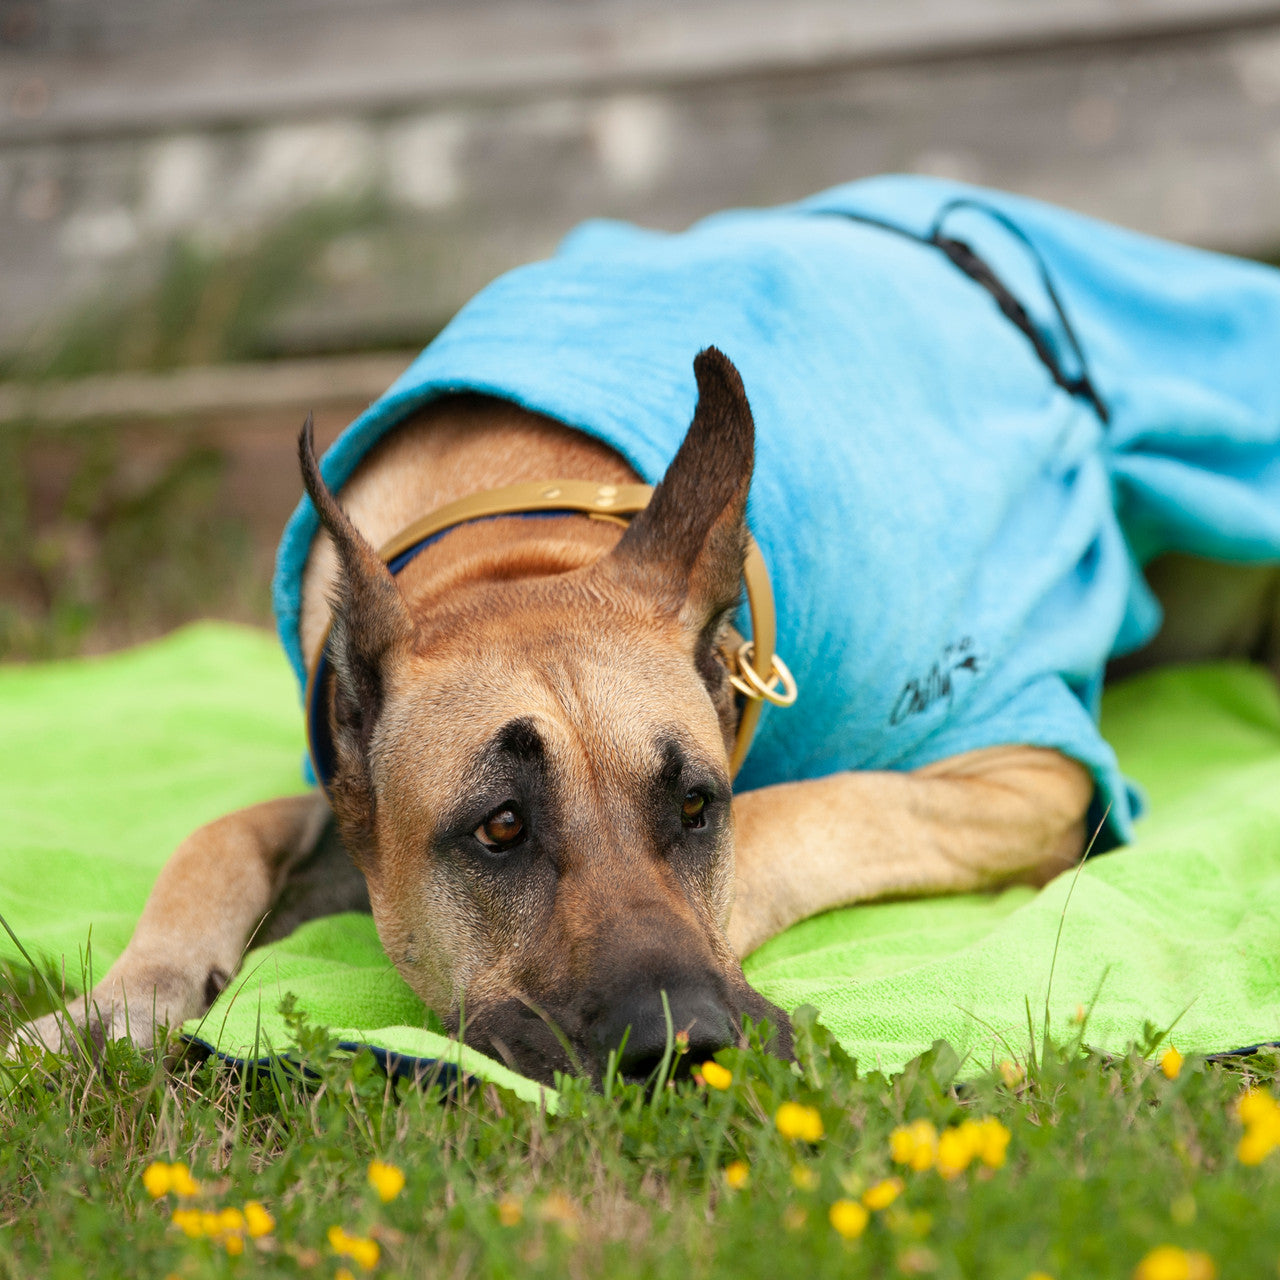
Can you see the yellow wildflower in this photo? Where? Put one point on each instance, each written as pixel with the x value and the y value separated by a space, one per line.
pixel 344 1273
pixel 883 1194
pixel 993 1142
pixel 189 1221
pixel 956 1148
pixel 230 1220
pixel 1261 1116
pixel 798 1122
pixel 849 1218
pixel 1012 1074
pixel 1168 1262
pixel 510 1211
pixel 360 1249
pixel 234 1245
pixel 915 1144
pixel 160 1178
pixel 1171 1063
pixel 716 1076
pixel 257 1221
pixel 737 1174
pixel 1254 1147
pixel 386 1180
pixel 803 1178
pixel 1257 1106
pixel 157 1179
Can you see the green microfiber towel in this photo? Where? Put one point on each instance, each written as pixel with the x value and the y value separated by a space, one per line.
pixel 105 764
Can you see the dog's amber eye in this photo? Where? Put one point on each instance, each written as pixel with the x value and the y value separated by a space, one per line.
pixel 691 811
pixel 500 829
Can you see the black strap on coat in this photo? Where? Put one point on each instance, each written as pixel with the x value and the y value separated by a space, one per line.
pixel 962 256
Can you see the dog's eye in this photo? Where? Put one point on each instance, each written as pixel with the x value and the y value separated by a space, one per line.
pixel 501 829
pixel 692 810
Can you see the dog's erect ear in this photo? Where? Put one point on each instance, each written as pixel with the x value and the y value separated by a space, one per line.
pixel 688 543
pixel 370 621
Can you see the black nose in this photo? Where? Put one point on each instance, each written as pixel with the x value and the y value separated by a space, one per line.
pixel 696 1009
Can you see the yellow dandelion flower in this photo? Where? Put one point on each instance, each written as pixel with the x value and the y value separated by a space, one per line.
pixel 993 1142
pixel 386 1180
pixel 955 1151
pixel 737 1173
pixel 925 1145
pixel 365 1253
pixel 234 1245
pixel 189 1221
pixel 182 1182
pixel 849 1218
pixel 1256 1106
pixel 1254 1147
pixel 883 1194
pixel 257 1220
pixel 902 1145
pixel 803 1178
pixel 231 1220
pixel 1168 1262
pixel 716 1076
pixel 158 1179
pixel 210 1223
pixel 510 1211
pixel 1171 1063
pixel 360 1249
pixel 798 1122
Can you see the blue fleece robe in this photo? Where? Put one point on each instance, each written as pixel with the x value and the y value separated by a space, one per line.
pixel 955 540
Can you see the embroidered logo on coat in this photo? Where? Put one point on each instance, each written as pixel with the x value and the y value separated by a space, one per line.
pixel 922 692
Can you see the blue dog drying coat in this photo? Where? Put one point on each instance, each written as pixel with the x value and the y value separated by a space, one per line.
pixel 953 509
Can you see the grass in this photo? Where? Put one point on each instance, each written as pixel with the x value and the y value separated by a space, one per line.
pixel 112 551
pixel 1107 1159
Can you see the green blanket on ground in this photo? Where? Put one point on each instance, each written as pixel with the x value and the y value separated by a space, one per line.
pixel 106 764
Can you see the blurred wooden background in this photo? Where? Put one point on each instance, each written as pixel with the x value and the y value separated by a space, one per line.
pixel 211 206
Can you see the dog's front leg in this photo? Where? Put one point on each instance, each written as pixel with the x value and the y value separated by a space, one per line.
pixel 997 816
pixel 208 900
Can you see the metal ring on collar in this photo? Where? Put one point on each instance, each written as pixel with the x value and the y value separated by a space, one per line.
pixel 747 680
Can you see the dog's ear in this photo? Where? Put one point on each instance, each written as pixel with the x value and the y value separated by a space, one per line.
pixel 688 544
pixel 685 550
pixel 370 623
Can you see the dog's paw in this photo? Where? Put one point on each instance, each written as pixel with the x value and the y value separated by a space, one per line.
pixel 77 1029
pixel 137 1010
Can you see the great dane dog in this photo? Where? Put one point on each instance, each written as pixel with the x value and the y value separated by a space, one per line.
pixel 528 728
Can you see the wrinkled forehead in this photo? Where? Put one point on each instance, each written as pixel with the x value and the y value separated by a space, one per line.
pixel 600 709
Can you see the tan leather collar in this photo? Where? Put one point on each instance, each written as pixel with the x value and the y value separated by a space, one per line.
pixel 754 668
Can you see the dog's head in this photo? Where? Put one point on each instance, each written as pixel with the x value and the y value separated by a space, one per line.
pixel 533 774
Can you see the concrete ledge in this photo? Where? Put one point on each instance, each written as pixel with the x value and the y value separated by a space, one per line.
pixel 199 392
